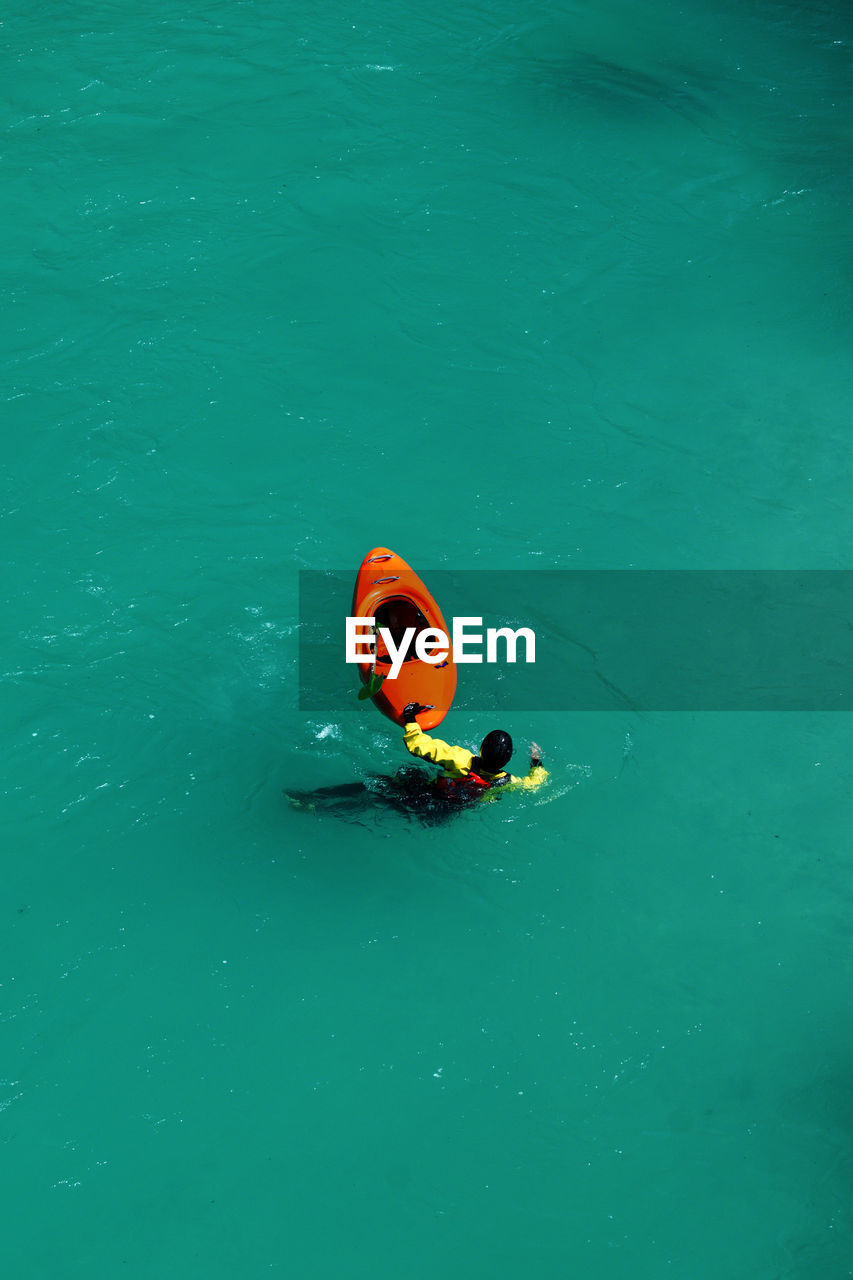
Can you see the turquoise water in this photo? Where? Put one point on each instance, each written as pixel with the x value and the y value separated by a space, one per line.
pixel 502 287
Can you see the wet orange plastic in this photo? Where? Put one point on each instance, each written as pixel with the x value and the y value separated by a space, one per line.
pixel 385 577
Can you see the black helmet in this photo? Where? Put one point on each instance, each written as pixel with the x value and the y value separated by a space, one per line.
pixel 495 750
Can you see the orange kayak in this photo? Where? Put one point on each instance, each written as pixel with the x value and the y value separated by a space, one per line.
pixel 389 591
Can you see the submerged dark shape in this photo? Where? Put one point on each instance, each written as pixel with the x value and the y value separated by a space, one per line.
pixel 409 792
pixel 624 89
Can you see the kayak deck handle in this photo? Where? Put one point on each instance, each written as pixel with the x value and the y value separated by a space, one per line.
pixel 377 559
pixel 395 577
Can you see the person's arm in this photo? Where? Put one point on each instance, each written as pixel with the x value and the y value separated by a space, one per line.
pixel 537 774
pixel 453 759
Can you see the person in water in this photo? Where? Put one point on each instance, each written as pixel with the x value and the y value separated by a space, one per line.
pixel 466 777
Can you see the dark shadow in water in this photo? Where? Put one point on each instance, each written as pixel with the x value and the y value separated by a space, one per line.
pixel 630 94
pixel 409 792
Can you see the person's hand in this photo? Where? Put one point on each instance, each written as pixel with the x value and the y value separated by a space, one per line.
pixel 535 755
pixel 413 709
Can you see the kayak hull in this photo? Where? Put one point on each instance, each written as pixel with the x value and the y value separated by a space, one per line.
pixel 388 589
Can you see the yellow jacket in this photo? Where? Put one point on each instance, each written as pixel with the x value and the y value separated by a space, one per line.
pixel 456 762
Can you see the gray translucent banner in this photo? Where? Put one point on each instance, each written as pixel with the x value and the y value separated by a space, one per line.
pixel 661 640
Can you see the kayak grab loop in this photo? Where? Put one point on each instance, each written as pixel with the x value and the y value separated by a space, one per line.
pixel 395 577
pixel 376 559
